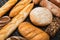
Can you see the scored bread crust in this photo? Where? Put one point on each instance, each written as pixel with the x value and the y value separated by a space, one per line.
pixel 31 32
pixel 7 6
pixel 11 26
pixel 19 6
pixel 56 2
pixel 52 7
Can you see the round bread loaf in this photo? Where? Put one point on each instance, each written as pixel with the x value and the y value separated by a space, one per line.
pixel 41 16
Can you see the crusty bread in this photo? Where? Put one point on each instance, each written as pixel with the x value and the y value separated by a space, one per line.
pixel 11 26
pixel 41 16
pixel 36 1
pixel 52 7
pixel 19 6
pixel 56 2
pixel 7 6
pixel 31 32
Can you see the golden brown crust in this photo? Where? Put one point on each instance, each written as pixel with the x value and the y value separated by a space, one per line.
pixel 57 2
pixel 52 7
pixel 36 1
pixel 10 27
pixel 19 6
pixel 6 7
pixel 31 32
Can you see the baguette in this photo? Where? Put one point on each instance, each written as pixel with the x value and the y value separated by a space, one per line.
pixel 19 6
pixel 10 27
pixel 7 6
pixel 31 32
pixel 56 2
pixel 52 7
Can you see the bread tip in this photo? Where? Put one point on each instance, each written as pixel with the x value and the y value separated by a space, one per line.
pixel 31 3
pixel 10 15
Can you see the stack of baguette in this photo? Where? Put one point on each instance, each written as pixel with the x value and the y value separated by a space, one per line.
pixel 11 26
pixel 7 6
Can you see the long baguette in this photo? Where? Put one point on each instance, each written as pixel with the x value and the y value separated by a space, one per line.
pixel 10 27
pixel 56 2
pixel 19 6
pixel 52 7
pixel 7 6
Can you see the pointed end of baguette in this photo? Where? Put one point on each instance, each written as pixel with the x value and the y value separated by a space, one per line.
pixel 32 4
pixel 29 7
